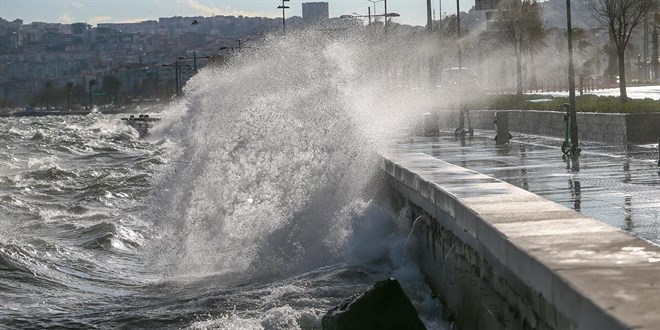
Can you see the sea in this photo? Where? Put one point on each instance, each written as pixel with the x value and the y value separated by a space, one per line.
pixel 253 204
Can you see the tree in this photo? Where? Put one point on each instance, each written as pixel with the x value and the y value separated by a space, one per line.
pixel 69 89
pixel 621 17
pixel 656 54
pixel 111 84
pixel 520 24
pixel 48 92
pixel 79 93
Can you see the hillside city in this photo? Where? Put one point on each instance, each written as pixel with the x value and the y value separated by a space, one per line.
pixel 32 55
pixel 78 65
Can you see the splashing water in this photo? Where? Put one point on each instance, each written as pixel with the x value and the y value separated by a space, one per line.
pixel 277 173
pixel 278 151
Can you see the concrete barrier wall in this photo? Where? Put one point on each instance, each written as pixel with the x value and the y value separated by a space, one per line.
pixel 598 127
pixel 643 128
pixel 502 257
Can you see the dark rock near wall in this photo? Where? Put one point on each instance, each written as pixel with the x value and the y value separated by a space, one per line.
pixel 384 306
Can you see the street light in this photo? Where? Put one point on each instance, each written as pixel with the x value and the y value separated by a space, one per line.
pixel 386 16
pixel 365 16
pixel 240 46
pixel 458 31
pixel 575 150
pixel 374 2
pixel 176 74
pixel 429 19
pixel 194 58
pixel 283 7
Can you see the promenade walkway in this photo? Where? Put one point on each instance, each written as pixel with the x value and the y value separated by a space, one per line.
pixel 615 184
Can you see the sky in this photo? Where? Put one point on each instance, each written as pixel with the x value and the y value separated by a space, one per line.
pixel 412 12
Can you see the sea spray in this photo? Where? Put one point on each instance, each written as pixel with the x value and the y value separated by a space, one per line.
pixel 277 166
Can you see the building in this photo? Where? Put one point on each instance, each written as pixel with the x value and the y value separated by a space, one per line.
pixel 315 11
pixel 486 4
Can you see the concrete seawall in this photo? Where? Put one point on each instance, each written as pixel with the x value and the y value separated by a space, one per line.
pixel 502 257
pixel 598 127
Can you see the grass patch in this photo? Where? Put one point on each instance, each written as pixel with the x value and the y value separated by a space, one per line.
pixel 585 103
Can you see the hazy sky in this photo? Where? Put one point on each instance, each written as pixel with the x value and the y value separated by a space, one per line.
pixel 101 11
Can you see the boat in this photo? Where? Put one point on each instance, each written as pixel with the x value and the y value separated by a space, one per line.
pixel 141 123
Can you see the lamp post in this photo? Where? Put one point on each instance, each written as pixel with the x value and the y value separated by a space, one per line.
pixel 232 48
pixel 283 7
pixel 385 2
pixel 458 30
pixel 195 22
pixel 354 15
pixel 429 19
pixel 374 2
pixel 440 10
pixel 176 74
pixel 571 84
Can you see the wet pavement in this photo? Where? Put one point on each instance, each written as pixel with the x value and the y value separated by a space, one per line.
pixel 618 185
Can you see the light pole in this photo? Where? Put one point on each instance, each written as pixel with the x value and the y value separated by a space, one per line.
pixel 429 19
pixel 283 7
pixel 374 2
pixel 385 2
pixel 176 74
pixel 440 10
pixel 571 84
pixel 654 52
pixel 232 48
pixel 458 30
pixel 195 22
pixel 369 16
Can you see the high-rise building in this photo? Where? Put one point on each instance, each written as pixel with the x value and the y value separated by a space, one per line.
pixel 315 11
pixel 486 4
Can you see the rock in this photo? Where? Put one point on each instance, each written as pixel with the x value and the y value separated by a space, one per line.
pixel 38 136
pixel 383 306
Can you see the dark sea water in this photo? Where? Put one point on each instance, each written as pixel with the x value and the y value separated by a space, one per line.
pixel 242 209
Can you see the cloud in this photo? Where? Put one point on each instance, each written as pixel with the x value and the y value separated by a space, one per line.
pixel 76 5
pixel 65 19
pixel 109 19
pixel 133 20
pixel 227 11
pixel 99 19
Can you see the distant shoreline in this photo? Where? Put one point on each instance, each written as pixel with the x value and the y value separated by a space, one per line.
pixel 73 113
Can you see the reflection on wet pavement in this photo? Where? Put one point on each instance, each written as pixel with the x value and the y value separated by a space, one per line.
pixel 615 184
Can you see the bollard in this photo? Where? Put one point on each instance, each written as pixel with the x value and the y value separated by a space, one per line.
pixel 470 130
pixel 460 130
pixel 429 127
pixel 503 135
